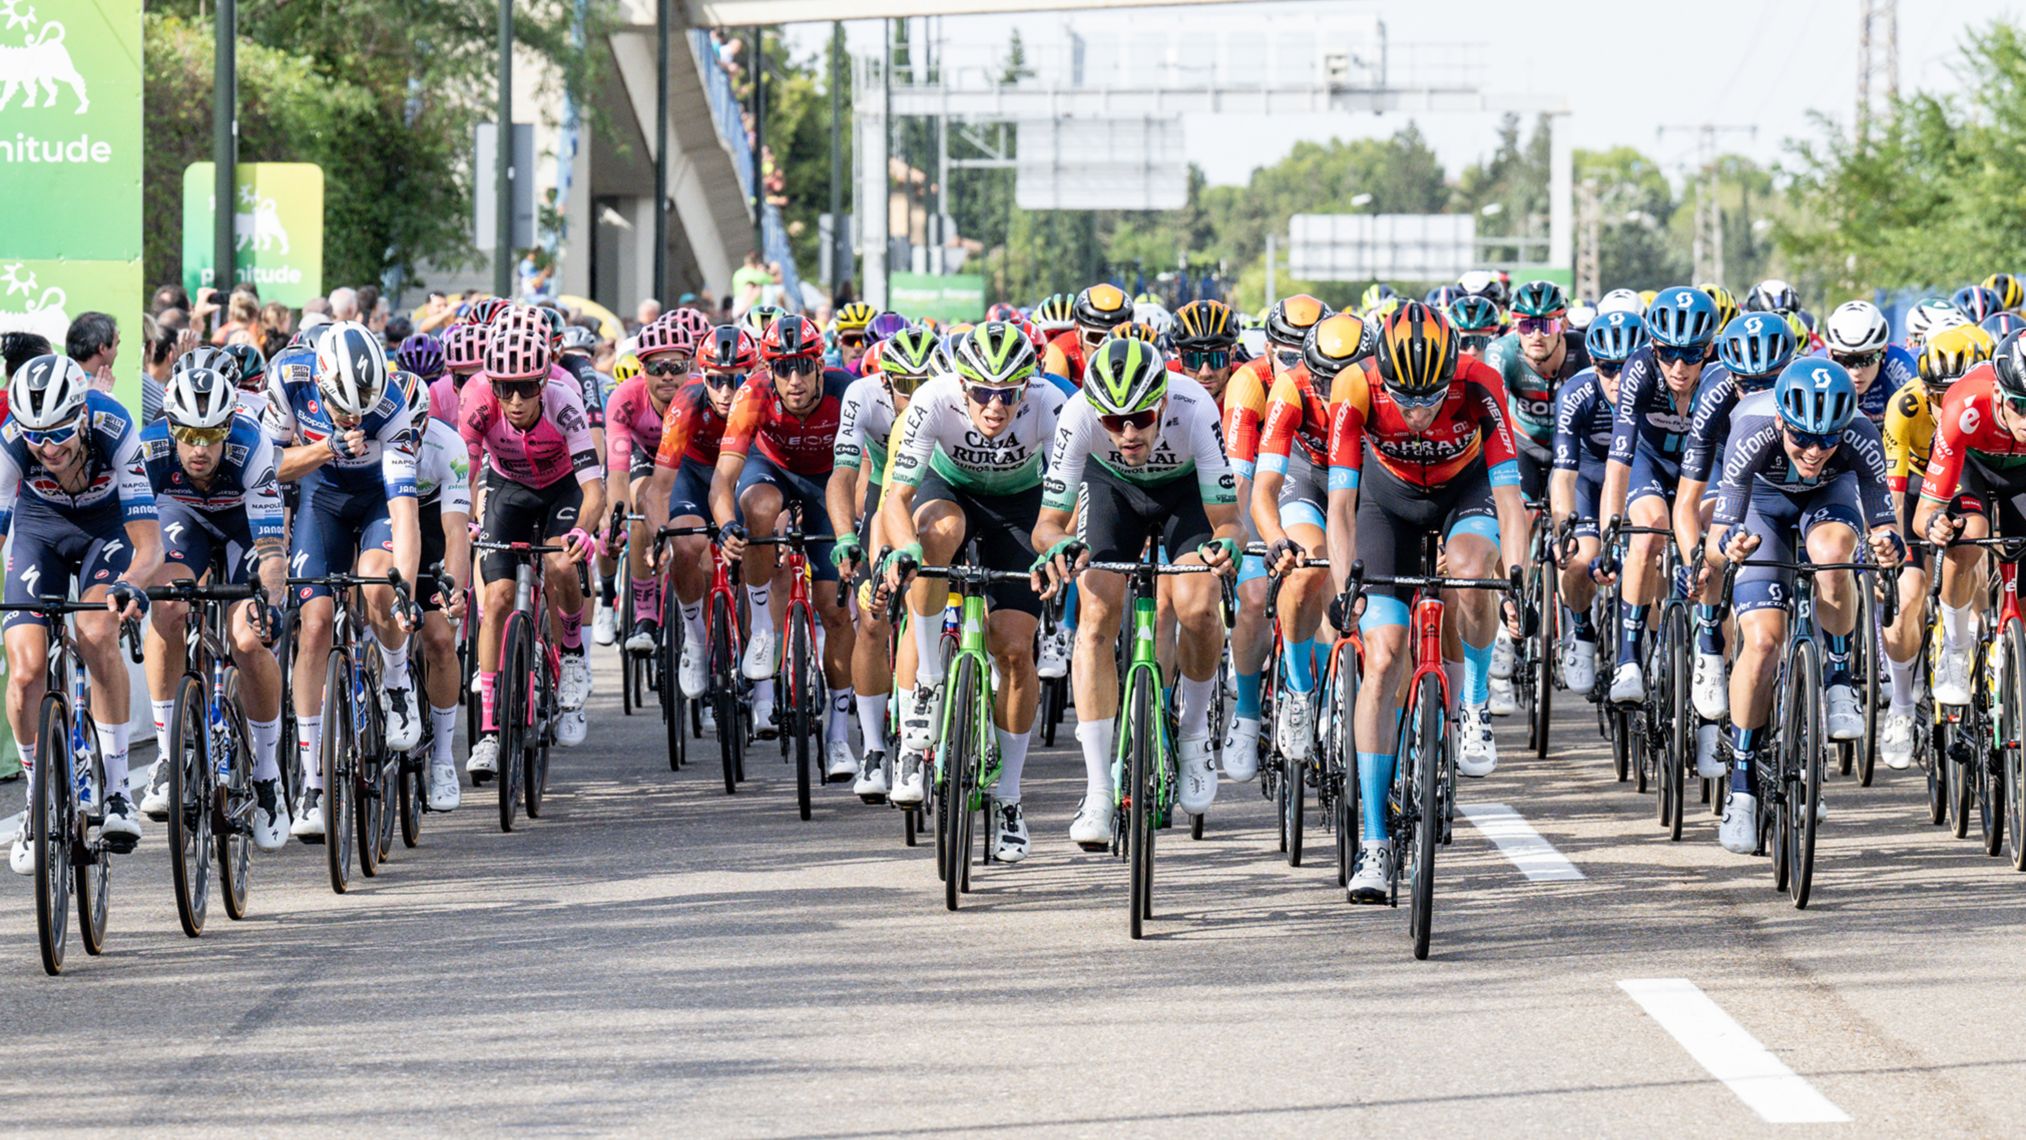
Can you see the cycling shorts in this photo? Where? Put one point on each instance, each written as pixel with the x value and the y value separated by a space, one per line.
pixel 1652 475
pixel 1983 488
pixel 640 464
pixel 691 492
pixel 1909 509
pixel 516 512
pixel 808 490
pixel 1001 524
pixel 199 540
pixel 1394 514
pixel 49 546
pixel 1118 517
pixel 1589 495
pixel 1304 494
pixel 331 530
pixel 1783 520
pixel 430 517
pixel 1535 463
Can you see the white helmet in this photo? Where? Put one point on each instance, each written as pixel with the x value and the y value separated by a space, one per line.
pixel 47 392
pixel 351 368
pixel 1621 301
pixel 199 398
pixel 417 394
pixel 1856 328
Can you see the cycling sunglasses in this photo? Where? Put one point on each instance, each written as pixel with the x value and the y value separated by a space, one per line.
pixel 1212 359
pixel 1822 441
pixel 2014 402
pixel 1609 370
pixel 851 340
pixel 1287 357
pixel 1140 420
pixel 1418 403
pixel 1534 326
pixel 199 437
pixel 62 434
pixel 982 394
pixel 716 379
pixel 903 383
pixel 667 366
pixel 1693 354
pixel 795 365
pixel 1853 363
pixel 1473 342
pixel 518 389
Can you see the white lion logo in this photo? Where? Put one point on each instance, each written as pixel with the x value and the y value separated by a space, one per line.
pixel 41 62
pixel 44 315
pixel 260 230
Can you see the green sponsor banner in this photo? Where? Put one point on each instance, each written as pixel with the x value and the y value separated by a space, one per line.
pixel 1566 278
pixel 278 228
pixel 955 297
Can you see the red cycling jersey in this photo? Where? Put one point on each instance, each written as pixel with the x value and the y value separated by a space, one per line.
pixel 802 445
pixel 631 423
pixel 690 429
pixel 1296 414
pixel 1065 357
pixel 1968 424
pixel 1471 422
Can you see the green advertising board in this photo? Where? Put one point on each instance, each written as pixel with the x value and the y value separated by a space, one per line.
pixel 278 228
pixel 953 297
pixel 70 169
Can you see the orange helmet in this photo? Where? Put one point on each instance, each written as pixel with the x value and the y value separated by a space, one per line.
pixel 1288 322
pixel 1335 343
pixel 1417 352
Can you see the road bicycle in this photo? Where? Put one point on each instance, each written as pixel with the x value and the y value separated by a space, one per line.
pixel 1285 779
pixel 639 673
pixel 1534 659
pixel 1638 732
pixel 804 691
pixel 1338 792
pixel 1977 762
pixel 524 696
pixel 724 639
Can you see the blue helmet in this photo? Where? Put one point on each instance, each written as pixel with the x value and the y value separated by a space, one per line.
pixel 1681 317
pixel 2002 324
pixel 1756 344
pixel 1614 337
pixel 1977 302
pixel 1816 395
pixel 1443 296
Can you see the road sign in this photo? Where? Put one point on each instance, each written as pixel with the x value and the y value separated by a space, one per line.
pixel 277 225
pixel 951 297
pixel 1381 247
pixel 1101 164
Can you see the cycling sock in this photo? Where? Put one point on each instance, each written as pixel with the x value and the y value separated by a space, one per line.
pixel 1195 719
pixel 1709 632
pixel 163 710
pixel 758 599
pixel 309 739
pixel 573 629
pixel 692 622
pixel 840 714
pixel 27 751
pixel 112 746
pixel 872 721
pixel 763 694
pixel 608 587
pixel 1958 624
pixel 1744 742
pixel 443 724
pixel 1902 674
pixel 1476 674
pixel 1582 626
pixel 928 635
pixel 646 602
pixel 1097 740
pixel 1012 760
pixel 1300 667
pixel 1248 696
pixel 1375 775
pixel 394 666
pixel 1836 657
pixel 1452 671
pixel 1629 632
pixel 266 739
pixel 488 706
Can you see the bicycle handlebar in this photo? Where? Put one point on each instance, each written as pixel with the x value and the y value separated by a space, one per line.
pixel 1889 599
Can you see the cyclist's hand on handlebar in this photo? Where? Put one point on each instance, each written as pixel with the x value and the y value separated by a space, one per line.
pixel 578 544
pixel 1284 556
pixel 453 602
pixel 1221 556
pixel 732 540
pixel 901 565
pixel 1739 544
pixel 846 554
pixel 1888 548
pixel 127 600
pixel 266 622
pixel 1943 528
pixel 1604 568
pixel 1057 565
pixel 1343 613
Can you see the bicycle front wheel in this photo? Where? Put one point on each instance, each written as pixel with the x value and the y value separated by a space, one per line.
pixel 337 756
pixel 1866 649
pixel 674 716
pixel 232 823
pixel 2011 726
pixel 1429 742
pixel 189 784
pixel 725 679
pixel 1547 640
pixel 1679 751
pixel 803 705
pixel 1142 755
pixel 961 755
pixel 1805 747
pixel 55 831
pixel 534 756
pixel 511 705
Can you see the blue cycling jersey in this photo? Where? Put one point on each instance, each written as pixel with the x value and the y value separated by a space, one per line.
pixel 1894 372
pixel 296 415
pixel 114 474
pixel 243 485
pixel 1714 412
pixel 1648 419
pixel 1584 420
pixel 1758 456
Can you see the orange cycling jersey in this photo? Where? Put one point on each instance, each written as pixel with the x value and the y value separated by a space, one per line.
pixel 1295 414
pixel 1064 357
pixel 1470 422
pixel 1244 411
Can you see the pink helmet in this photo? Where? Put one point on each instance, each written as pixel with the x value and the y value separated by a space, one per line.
pixel 464 347
pixel 663 337
pixel 691 321
pixel 518 353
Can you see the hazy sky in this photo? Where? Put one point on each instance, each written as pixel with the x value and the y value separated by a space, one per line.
pixel 1622 69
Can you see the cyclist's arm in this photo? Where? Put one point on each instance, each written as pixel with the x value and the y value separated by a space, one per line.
pixel 398 448
pixel 847 456
pixel 1572 416
pixel 1624 443
pixel 910 464
pixel 10 489
pixel 145 536
pixel 1347 457
pixel 581 439
pixel 264 519
pixel 1501 457
pixel 1688 515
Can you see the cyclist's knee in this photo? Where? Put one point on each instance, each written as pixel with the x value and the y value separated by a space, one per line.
pixel 166 618
pixel 499 596
pixel 1762 633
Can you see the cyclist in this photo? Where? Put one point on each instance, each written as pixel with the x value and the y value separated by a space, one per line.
pixel 536 433
pixel 1124 454
pixel 212 473
pixel 1244 403
pixel 678 494
pixel 1055 314
pixel 633 426
pixel 1909 436
pixel 463 358
pixel 1289 496
pixel 1585 410
pixel 443 498
pixel 872 406
pixel 1419 443
pixel 779 447
pixel 1857 337
pixel 1802 464
pixel 75 496
pixel 848 329
pixel 1533 361
pixel 968 466
pixel 252 382
pixel 1095 313
pixel 1478 323
pixel 342 432
pixel 1656 399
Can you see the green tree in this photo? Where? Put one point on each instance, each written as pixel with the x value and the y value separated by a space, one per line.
pixel 1635 207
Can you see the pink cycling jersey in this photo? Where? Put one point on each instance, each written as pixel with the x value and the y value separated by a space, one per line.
pixel 631 424
pixel 443 399
pixel 558 444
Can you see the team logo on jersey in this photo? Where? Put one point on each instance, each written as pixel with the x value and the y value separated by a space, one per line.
pixel 235 454
pixel 156 448
pixel 1969 420
pixel 106 422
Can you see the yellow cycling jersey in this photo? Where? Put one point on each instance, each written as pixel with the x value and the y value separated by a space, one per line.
pixel 1909 433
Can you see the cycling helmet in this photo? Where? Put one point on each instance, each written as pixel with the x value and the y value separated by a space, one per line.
pixel 1472 315
pixel 1949 353
pixel 1205 326
pixel 577 338
pixel 1056 313
pixel 1614 337
pixel 1493 287
pixel 625 368
pixel 1417 352
pixel 212 359
pixel 1926 314
pixel 854 317
pixel 1288 322
pixel 693 321
pixel 1727 309
pixel 1033 333
pixel 464 348
pixel 1157 318
pixel 1804 333
pixel 1003 311
pixel 1335 343
pixel 1101 307
pixel 252 366
pixel 416 392
pixel 1681 317
pixel 1540 299
pixel 1622 301
pixel 1756 344
pixel 660 339
pixel 47 392
pixel 1581 315
pixel 1772 296
pixel 1148 297
pixel 1383 309
pixel 1125 376
pixel 728 348
pixel 2002 324
pixel 2010 290
pixel 515 353
pixel 1856 328
pixel 1137 331
pixel 487 310
pixel 907 358
pixel 1376 294
pixel 421 354
pixel 199 398
pixel 885 325
pixel 351 369
pixel 758 318
pixel 556 322
pixel 1816 395
pixel 1977 302
pixel 792 338
pixel 1441 297
pixel 997 355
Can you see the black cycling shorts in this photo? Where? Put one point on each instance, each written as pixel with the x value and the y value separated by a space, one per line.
pixel 1118 517
pixel 1394 515
pixel 1002 524
pixel 516 512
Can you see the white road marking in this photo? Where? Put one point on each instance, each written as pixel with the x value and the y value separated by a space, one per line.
pixel 1732 1055
pixel 1517 840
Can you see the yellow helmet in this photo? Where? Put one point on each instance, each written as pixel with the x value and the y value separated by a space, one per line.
pixel 625 368
pixel 1138 330
pixel 1726 304
pixel 1953 351
pixel 1101 307
pixel 853 317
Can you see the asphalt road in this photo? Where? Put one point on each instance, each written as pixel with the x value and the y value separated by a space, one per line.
pixel 654 956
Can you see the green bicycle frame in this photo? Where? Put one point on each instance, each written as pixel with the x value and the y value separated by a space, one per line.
pixel 1144 668
pixel 971 646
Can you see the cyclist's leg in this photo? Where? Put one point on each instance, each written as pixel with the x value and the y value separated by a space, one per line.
pixel 1389 547
pixel 942 522
pixel 1009 637
pixel 871 668
pixel 1647 504
pixel 34 559
pixel 186 553
pixel 1902 641
pixel 1302 601
pixel 98 642
pixel 1115 529
pixel 640 576
pixel 1758 596
pixel 321 540
pixel 761 496
pixel 1962 581
pixel 689 563
pixel 559 510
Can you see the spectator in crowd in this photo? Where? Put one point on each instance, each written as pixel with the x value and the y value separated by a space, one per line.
pixel 277 323
pixel 169 297
pixel 242 314
pixel 727 311
pixel 18 348
pixel 319 305
pixel 646 314
pixel 438 311
pixel 749 282
pixel 165 345
pixel 94 342
pixel 534 276
pixel 344 304
pixel 398 328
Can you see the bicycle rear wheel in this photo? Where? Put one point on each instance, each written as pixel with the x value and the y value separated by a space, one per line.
pixel 1293 805
pixel 2011 726
pixel 1344 698
pixel 1679 751
pixel 961 755
pixel 674 714
pixel 510 712
pixel 231 825
pixel 290 758
pixel 804 707
pixel 91 875
pixel 1547 640
pixel 1801 768
pixel 189 805
pixel 335 759
pixel 1429 741
pixel 1867 653
pixel 630 688
pixel 535 748
pixel 724 679
pixel 55 831
pixel 1142 754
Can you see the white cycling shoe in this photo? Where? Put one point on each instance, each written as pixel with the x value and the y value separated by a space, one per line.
pixel 871 783
pixel 1372 882
pixel 758 663
pixel 571 727
pixel 604 628
pixel 1198 780
pixel 1476 747
pixel 1739 831
pixel 910 782
pixel 1052 660
pixel 1628 684
pixel 692 671
pixel 270 815
pixel 444 791
pixel 1579 666
pixel 483 763
pixel 1241 751
pixel 840 763
pixel 1091 829
pixel 404 722
pixel 308 824
pixel 22 859
pixel 1294 723
pixel 1895 740
pixel 1010 841
pixel 1712 690
pixel 1952 679
pixel 918 721
pixel 1503 702
pixel 1502 656
pixel 1845 722
pixel 1709 759
pixel 575 686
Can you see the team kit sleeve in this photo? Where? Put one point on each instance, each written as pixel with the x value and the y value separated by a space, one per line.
pixel 10 485
pixel 454 493
pixel 1572 415
pixel 619 428
pixel 676 424
pixel 1867 457
pixel 397 453
pixel 743 422
pixel 1486 404
pixel 1347 439
pixel 1276 434
pixel 1743 461
pixel 263 489
pixel 917 443
pixel 849 449
pixel 1243 403
pixel 1214 477
pixel 137 495
pixel 1951 443
pixel 1710 420
pixel 1633 383
pixel 1068 453
pixel 567 413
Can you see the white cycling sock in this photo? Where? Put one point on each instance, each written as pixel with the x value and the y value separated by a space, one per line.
pixel 1902 674
pixel 1958 626
pixel 872 722
pixel 266 739
pixel 1453 670
pixel 1195 718
pixel 839 727
pixel 1012 759
pixel 692 623
pixel 112 746
pixel 394 666
pixel 928 634
pixel 1097 739
pixel 758 602
pixel 309 741
pixel 162 710
pixel 443 723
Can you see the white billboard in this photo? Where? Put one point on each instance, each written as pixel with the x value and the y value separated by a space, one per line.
pixel 1101 164
pixel 1381 247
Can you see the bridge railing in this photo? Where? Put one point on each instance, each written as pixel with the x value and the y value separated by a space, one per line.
pixel 725 113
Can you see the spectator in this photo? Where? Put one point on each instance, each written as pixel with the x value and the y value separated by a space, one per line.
pixel 175 320
pixel 321 305
pixel 242 314
pixel 276 324
pixel 165 346
pixel 534 275
pixel 648 312
pixel 169 297
pixel 398 329
pixel 773 293
pixel 344 305
pixel 748 282
pixel 94 342
pixel 726 312
pixel 439 310
pixel 18 348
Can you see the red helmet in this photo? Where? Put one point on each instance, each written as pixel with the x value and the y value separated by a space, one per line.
pixel 464 348
pixel 1003 312
pixel 728 348
pixel 662 338
pixel 484 310
pixel 792 338
pixel 517 353
pixel 1034 334
pixel 692 321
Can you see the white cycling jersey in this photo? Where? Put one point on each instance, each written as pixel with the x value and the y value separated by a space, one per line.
pixel 1191 441
pixel 937 435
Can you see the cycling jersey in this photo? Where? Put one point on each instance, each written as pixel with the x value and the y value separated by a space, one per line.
pixel 937 436
pixel 1909 434
pixel 578 370
pixel 1296 415
pixel 1710 421
pixel 863 423
pixel 1967 428
pixel 1650 430
pixel 296 416
pixel 1190 442
pixel 444 398
pixel 1064 357
pixel 1757 460
pixel 116 490
pixel 691 429
pixel 443 470
pixel 1469 424
pixel 1244 412
pixel 1894 372
pixel 558 444
pixel 632 429
pixel 1583 422
pixel 1530 396
pixel 242 484
pixel 802 445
